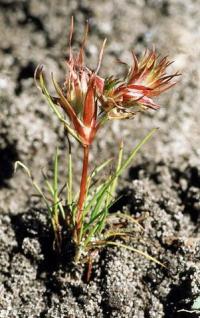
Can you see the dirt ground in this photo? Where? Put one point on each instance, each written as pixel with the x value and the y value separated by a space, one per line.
pixel 162 186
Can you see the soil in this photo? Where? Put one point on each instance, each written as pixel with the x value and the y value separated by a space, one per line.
pixel 162 187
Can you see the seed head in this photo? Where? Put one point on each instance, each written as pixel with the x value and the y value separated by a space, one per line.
pixel 146 79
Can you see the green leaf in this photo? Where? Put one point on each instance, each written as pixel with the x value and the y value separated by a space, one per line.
pixel 52 188
pixel 55 109
pixel 127 162
pixel 102 199
pixel 69 179
pixel 127 217
pixel 94 199
pixel 51 191
pixel 35 185
pixel 55 186
pixel 130 248
pixel 102 222
pixel 90 235
pixel 70 183
pixel 114 183
pixel 97 170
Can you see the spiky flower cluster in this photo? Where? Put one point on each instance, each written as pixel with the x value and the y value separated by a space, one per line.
pixel 89 100
pixel 145 79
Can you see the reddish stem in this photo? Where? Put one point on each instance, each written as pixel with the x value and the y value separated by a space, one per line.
pixel 83 187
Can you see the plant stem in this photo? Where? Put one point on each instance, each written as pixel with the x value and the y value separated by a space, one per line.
pixel 83 187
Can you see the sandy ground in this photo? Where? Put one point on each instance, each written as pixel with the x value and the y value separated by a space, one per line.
pixel 163 184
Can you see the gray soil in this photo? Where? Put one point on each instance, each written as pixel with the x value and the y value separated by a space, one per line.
pixel 162 187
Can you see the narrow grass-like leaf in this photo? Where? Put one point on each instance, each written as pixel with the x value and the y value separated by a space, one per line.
pixel 93 220
pixel 101 215
pixel 109 195
pixel 118 233
pixel 91 234
pixel 51 191
pixel 100 201
pixel 127 162
pixel 26 169
pixel 101 224
pixel 106 215
pixel 128 218
pixel 114 183
pixel 54 108
pixel 48 97
pixel 55 187
pixel 69 180
pixel 94 198
pixel 35 185
pixel 130 248
pixel 97 170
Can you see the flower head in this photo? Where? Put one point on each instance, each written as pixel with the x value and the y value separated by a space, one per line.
pixel 89 100
pixel 145 79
